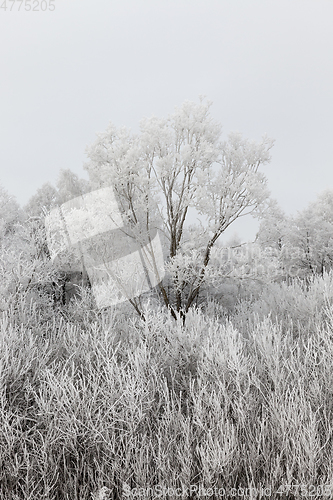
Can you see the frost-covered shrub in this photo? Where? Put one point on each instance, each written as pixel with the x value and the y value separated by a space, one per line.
pixel 299 305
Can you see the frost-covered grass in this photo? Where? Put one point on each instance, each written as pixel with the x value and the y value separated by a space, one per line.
pixel 98 406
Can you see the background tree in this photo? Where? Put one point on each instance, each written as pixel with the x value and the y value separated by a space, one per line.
pixel 10 213
pixel 68 186
pixel 303 243
pixel 42 201
pixel 273 227
pixel 310 237
pixel 22 268
pixel 176 168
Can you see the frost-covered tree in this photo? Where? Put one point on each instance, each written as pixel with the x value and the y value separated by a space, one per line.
pixel 10 213
pixel 22 268
pixel 310 237
pixel 48 197
pixel 303 243
pixel 174 169
pixel 272 227
pixel 69 186
pixel 45 198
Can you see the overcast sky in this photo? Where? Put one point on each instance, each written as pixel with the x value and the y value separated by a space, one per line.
pixel 267 65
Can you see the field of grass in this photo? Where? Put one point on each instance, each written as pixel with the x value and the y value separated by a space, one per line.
pixel 104 406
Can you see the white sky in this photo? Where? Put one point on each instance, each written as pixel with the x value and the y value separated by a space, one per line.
pixel 267 65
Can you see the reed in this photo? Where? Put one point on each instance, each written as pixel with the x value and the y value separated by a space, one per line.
pixel 98 406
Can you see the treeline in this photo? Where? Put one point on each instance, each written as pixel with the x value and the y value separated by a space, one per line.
pixel 286 247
